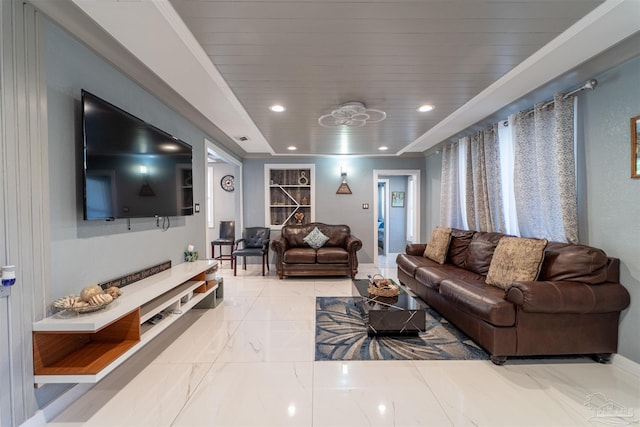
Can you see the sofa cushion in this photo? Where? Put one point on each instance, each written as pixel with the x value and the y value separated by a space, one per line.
pixel 481 300
pixel 409 263
pixel 300 256
pixel 458 246
pixel 337 234
pixel 432 276
pixel 332 255
pixel 480 251
pixel 577 263
pixel 516 259
pixel 316 239
pixel 438 245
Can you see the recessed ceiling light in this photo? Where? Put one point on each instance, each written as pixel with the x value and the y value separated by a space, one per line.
pixel 425 108
pixel 383 148
pixel 277 108
pixel 292 148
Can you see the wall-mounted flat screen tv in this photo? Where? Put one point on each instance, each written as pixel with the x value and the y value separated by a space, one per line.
pixel 131 168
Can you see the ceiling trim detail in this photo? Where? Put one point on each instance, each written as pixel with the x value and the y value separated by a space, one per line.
pixel 605 26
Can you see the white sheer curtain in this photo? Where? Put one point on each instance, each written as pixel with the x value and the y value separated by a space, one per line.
pixel 506 138
pixel 450 206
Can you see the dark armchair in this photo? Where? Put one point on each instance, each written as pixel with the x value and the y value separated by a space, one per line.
pixel 254 242
pixel 227 238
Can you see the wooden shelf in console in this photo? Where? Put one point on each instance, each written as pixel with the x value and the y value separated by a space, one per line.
pixel 84 353
pixel 85 348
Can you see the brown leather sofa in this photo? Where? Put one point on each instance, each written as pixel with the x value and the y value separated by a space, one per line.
pixel 572 308
pixel 337 257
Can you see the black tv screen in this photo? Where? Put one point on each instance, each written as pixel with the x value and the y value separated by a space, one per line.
pixel 131 168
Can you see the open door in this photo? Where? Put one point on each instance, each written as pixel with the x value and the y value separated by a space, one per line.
pixel 411 207
pixel 224 202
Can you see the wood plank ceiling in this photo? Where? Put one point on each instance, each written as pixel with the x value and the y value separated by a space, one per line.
pixel 312 56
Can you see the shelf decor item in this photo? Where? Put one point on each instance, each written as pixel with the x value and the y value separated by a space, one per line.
pixel 299 216
pixel 382 287
pixel 303 180
pixel 92 298
pixel 190 255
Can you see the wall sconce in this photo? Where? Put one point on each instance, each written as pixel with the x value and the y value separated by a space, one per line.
pixel 344 187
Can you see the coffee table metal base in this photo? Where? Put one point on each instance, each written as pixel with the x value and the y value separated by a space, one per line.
pixel 401 315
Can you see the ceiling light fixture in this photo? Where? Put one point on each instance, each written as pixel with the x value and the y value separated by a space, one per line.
pixel 277 108
pixel 424 108
pixel 352 114
pixel 292 148
pixel 383 148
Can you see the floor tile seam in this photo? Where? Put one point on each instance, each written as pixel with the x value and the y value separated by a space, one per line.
pixel 437 399
pixel 191 393
pixel 231 335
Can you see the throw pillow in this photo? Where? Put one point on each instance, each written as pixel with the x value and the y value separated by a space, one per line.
pixel 316 239
pixel 516 259
pixel 438 245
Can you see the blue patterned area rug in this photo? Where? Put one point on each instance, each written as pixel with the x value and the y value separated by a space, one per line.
pixel 342 335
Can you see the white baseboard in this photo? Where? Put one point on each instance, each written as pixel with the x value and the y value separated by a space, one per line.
pixel 53 409
pixel 626 364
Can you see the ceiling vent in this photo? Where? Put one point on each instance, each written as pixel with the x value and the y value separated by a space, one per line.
pixel 241 138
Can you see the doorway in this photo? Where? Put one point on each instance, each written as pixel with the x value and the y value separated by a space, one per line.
pixel 382 209
pixel 222 204
pixel 396 196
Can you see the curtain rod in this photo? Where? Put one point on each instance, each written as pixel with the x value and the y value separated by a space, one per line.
pixel 589 84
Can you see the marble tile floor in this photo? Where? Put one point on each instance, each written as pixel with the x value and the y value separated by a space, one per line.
pixel 250 362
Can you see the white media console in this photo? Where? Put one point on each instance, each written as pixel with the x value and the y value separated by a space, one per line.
pixel 84 348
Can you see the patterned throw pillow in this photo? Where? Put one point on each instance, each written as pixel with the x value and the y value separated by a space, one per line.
pixel 438 246
pixel 316 239
pixel 516 259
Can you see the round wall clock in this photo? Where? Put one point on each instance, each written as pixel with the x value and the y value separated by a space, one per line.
pixel 227 183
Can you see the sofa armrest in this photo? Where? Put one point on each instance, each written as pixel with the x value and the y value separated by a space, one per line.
pixel 279 245
pixel 415 248
pixel 568 297
pixel 352 244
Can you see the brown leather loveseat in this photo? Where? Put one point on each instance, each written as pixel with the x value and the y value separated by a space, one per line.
pixel 335 257
pixel 572 307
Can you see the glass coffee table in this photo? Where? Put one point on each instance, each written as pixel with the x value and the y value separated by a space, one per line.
pixel 401 315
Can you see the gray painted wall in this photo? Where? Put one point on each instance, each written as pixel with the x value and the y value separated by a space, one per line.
pixel 332 208
pixel 86 252
pixel 609 201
